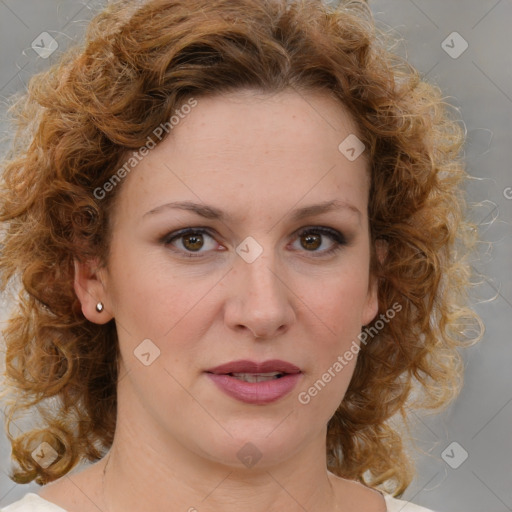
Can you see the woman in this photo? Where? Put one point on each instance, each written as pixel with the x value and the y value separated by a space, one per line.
pixel 240 237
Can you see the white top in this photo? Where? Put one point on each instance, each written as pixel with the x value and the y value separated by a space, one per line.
pixel 32 502
pixel 395 505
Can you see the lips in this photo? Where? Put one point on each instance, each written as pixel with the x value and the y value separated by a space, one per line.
pixel 245 366
pixel 256 383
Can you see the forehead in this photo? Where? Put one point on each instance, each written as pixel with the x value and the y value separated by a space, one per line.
pixel 279 121
pixel 248 146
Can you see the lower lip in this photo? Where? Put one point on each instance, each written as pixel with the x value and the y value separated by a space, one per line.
pixel 256 392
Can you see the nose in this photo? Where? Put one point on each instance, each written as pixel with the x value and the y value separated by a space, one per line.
pixel 260 302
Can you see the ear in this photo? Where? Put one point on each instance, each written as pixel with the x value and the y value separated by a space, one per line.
pixel 372 302
pixel 89 284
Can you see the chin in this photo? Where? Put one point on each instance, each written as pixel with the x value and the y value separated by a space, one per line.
pixel 260 444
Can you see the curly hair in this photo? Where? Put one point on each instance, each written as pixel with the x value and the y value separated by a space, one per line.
pixel 137 64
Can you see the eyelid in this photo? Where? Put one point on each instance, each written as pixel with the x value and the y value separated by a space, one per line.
pixel 337 237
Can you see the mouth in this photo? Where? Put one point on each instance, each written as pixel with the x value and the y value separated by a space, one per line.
pixel 274 368
pixel 256 377
pixel 256 383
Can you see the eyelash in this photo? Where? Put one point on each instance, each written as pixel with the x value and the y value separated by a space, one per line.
pixel 338 239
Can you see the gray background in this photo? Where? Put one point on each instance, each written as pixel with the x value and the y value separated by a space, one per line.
pixel 479 83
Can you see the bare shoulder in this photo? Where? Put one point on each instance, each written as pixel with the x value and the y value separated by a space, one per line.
pixel 356 496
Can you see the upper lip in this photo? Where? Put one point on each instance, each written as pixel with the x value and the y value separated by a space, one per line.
pixel 245 366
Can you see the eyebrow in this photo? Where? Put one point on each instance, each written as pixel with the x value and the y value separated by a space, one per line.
pixel 210 212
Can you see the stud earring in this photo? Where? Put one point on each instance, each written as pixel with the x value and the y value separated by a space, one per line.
pixel 99 307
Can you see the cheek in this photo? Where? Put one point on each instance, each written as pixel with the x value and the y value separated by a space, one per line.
pixel 157 299
pixel 340 301
pixel 139 292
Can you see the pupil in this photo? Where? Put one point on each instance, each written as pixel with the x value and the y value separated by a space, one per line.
pixel 196 239
pixel 311 239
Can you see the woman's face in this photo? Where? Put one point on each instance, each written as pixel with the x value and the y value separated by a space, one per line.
pixel 255 280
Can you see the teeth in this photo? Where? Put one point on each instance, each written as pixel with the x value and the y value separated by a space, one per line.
pixel 256 377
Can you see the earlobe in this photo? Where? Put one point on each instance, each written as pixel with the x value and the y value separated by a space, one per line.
pixel 90 290
pixel 372 303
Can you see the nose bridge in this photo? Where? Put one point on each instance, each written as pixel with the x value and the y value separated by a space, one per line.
pixel 263 299
pixel 260 278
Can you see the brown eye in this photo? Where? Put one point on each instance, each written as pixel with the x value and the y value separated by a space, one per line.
pixel 313 238
pixel 311 241
pixel 193 242
pixel 189 241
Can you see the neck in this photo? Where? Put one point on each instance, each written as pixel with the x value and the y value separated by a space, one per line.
pixel 134 482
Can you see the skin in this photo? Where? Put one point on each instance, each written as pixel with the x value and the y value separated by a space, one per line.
pixel 258 158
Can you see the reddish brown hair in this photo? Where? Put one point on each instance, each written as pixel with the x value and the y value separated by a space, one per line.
pixel 138 64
